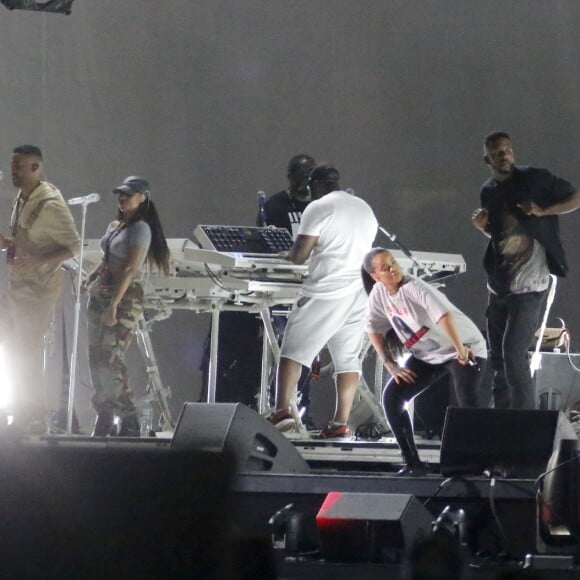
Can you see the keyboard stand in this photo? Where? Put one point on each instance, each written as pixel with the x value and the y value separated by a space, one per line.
pixel 155 388
pixel 270 356
pixel 270 345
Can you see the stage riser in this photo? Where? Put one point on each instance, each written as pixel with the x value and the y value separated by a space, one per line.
pixel 255 497
pixel 364 455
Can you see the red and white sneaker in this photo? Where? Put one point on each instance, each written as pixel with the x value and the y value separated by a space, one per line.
pixel 336 431
pixel 282 420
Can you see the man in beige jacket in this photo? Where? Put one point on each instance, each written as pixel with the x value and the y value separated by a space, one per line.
pixel 43 235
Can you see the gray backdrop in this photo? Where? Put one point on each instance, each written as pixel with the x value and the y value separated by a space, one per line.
pixel 209 99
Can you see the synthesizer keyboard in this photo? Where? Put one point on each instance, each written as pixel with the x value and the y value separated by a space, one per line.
pixel 244 240
pixel 431 266
pixel 242 249
pixel 198 277
pixel 199 274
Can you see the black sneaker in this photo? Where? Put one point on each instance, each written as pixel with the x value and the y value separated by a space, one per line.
pixel 104 424
pixel 130 426
pixel 414 470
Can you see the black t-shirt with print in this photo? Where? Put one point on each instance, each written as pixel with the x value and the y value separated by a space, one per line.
pixel 282 210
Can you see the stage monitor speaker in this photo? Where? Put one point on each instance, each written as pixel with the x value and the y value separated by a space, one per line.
pixel 254 442
pixel 371 527
pixel 511 442
pixel 88 511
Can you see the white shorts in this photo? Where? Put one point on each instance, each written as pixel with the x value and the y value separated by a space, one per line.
pixel 336 324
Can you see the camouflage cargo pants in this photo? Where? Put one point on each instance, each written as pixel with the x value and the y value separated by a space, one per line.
pixel 107 348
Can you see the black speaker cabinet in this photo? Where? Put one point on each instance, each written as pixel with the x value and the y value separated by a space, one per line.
pixel 557 382
pixel 255 444
pixel 513 442
pixel 115 512
pixel 371 527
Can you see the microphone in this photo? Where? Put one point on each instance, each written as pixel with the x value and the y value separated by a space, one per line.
pixel 84 199
pixel 392 237
pixel 404 249
pixel 263 222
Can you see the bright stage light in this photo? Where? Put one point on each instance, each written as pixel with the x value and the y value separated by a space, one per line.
pixel 5 382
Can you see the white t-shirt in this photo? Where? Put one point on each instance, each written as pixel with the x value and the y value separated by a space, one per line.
pixel 413 313
pixel 346 228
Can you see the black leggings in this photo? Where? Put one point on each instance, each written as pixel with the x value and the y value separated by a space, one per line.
pixel 466 379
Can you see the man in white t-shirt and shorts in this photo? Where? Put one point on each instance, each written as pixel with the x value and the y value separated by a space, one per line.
pixel 336 231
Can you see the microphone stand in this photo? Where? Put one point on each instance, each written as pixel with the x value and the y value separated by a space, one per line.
pixel 262 218
pixel 404 249
pixel 73 358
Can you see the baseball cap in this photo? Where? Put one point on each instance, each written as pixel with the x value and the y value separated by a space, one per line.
pixel 133 184
pixel 323 172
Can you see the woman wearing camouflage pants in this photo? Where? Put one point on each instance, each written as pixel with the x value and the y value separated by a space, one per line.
pixel 116 302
